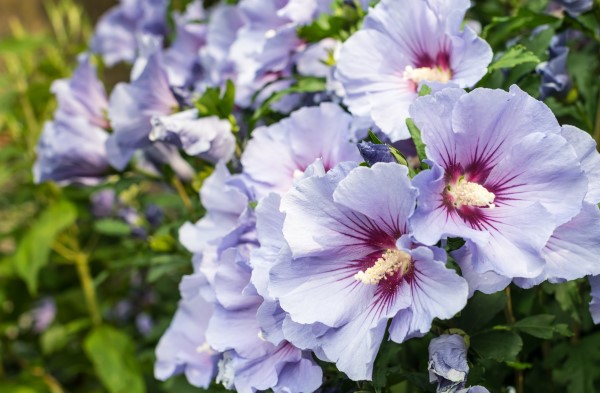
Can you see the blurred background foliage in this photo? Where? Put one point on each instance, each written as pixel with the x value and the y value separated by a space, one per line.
pixel 84 301
pixel 64 276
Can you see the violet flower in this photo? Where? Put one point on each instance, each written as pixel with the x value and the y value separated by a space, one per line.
pixel 183 347
pixel 400 45
pixel 353 266
pixel 115 37
pixel 322 132
pixel 486 183
pixel 555 76
pixel 570 252
pixel 131 108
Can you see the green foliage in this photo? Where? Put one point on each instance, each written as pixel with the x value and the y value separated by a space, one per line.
pixel 499 345
pixel 516 55
pixel 340 24
pixel 34 248
pixel 215 103
pixel 113 355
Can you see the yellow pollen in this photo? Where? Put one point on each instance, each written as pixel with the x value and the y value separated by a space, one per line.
pixel 426 74
pixel 390 262
pixel 204 348
pixel 466 193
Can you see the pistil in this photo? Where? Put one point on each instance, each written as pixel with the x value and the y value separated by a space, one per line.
pixel 390 262
pixel 466 193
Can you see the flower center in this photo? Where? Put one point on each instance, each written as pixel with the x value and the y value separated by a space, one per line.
pixel 390 262
pixel 436 74
pixel 225 373
pixel 466 193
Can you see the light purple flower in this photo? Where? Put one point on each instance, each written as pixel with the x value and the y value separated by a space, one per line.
pixel 115 37
pixel 209 137
pixel 570 253
pixel 224 23
pixel 82 95
pixel 322 132
pixel 182 58
pixel 353 266
pixel 576 7
pixel 448 363
pixel 183 347
pixel 555 76
pixel 227 216
pixel 71 150
pixel 402 44
pixel 255 363
pixel 131 108
pixel 503 177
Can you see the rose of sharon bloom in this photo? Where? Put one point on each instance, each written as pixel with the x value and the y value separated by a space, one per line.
pixel 71 148
pixel 401 44
pixel 322 132
pixel 132 106
pixel 183 347
pixel 251 363
pixel 354 266
pixel 227 214
pixel 571 251
pixel 116 34
pixel 503 177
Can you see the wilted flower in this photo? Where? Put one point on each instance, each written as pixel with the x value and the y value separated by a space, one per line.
pixel 209 137
pixel 354 266
pixel 400 45
pixel 448 362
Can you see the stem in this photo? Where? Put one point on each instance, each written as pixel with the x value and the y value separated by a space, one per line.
pixel 87 285
pixel 510 318
pixel 182 194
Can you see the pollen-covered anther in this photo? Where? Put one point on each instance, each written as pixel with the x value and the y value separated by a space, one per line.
pixel 466 193
pixel 204 348
pixel 435 74
pixel 390 262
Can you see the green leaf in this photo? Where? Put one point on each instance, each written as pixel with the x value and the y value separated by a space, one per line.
pixel 415 134
pixel 503 28
pixel 480 310
pixel 113 355
pixel 516 55
pixel 34 248
pixel 500 345
pixel 112 227
pixel 302 85
pixel 575 366
pixel 539 326
pixel 424 90
pixel 57 337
